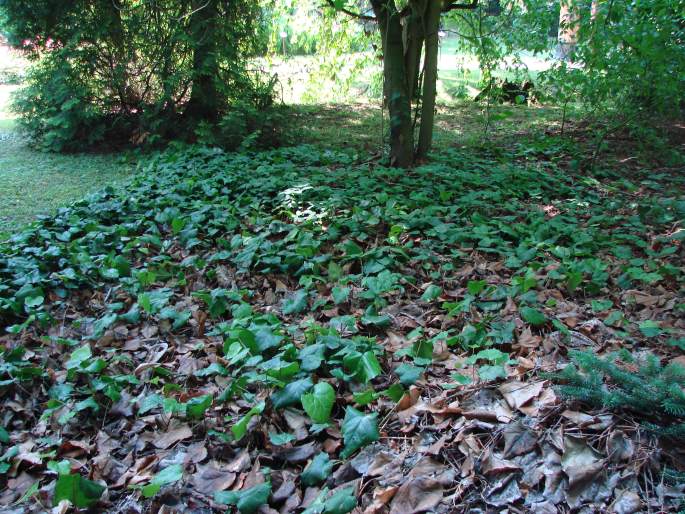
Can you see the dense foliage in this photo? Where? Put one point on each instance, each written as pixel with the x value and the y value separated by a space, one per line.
pixel 119 72
pixel 310 329
pixel 625 61
pixel 627 67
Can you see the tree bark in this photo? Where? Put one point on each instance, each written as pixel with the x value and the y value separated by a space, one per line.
pixel 568 28
pixel 397 88
pixel 413 44
pixel 204 96
pixel 430 77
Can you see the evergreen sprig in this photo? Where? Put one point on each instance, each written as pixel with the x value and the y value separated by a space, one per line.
pixel 623 381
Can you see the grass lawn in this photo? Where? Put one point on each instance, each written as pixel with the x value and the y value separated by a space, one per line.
pixel 459 124
pixel 34 182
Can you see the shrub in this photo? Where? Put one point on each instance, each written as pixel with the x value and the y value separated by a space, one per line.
pixel 125 72
pixel 55 106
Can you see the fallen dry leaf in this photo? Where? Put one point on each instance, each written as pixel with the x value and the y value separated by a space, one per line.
pixel 176 432
pixel 212 477
pixel 517 394
pixel 417 495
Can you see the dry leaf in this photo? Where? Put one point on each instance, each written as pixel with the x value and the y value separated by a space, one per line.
pixel 417 495
pixel 176 432
pixel 517 394
pixel 212 477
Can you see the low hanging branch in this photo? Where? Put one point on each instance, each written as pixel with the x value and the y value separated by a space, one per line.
pixel 344 10
pixel 450 6
pixel 454 6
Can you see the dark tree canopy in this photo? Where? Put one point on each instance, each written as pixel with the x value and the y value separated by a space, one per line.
pixel 112 70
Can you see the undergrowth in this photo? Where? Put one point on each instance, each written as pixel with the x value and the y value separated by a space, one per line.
pixel 626 382
pixel 278 280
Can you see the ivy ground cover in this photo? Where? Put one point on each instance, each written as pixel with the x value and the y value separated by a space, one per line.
pixel 295 331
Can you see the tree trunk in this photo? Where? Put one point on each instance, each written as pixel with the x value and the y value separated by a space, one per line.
pixel 568 28
pixel 397 88
pixel 430 77
pixel 594 10
pixel 413 44
pixel 204 97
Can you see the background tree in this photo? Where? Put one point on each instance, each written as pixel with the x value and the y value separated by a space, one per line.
pixel 113 72
pixel 409 36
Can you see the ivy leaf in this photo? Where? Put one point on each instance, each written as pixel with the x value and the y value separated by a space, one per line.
pixel 408 374
pixel 213 369
pixel 280 439
pixel 341 502
pixel 461 379
pixel 340 294
pixel 196 407
pixel 295 303
pixel 489 372
pixel 395 392
pixel 422 351
pixel 291 393
pixel 319 404
pixel 4 436
pixel 377 320
pixel 103 324
pixel 476 286
pixel 240 428
pixel 366 397
pixel 312 356
pixel 601 305
pixel 369 367
pixel 79 356
pixel 533 316
pixel 167 476
pixel 265 339
pixel 491 354
pixel 318 470
pixel 34 301
pixel 431 293
pixel 650 328
pixel 74 488
pixel 352 249
pixel 149 402
pixel 246 501
pixel 358 430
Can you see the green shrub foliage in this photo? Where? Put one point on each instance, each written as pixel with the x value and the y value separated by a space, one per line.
pixel 623 381
pixel 120 72
pixel 623 67
pixel 629 57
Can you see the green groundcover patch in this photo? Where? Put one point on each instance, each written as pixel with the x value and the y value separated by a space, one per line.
pixel 244 315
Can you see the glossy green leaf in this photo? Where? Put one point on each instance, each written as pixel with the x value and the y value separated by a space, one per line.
pixel 319 403
pixel 358 430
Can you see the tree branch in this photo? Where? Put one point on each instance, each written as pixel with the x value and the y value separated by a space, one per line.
pixel 351 13
pixel 451 6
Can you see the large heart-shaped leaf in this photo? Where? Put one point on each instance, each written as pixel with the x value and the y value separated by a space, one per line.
pixel 358 430
pixel 246 501
pixel 319 403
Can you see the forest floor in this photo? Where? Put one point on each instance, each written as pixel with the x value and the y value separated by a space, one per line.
pixel 307 330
